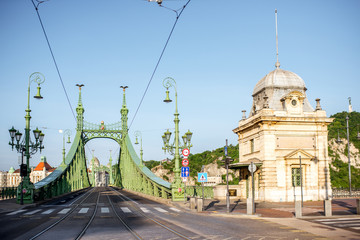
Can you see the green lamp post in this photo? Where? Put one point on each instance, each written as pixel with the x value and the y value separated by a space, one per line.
pixel 177 188
pixel 68 133
pixel 138 134
pixel 25 191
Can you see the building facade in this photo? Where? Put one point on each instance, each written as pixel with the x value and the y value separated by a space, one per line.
pixel 12 177
pixel 282 131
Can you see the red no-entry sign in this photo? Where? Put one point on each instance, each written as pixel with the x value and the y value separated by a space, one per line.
pixel 185 162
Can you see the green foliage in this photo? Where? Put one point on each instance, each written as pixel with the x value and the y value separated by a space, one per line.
pixel 339 175
pixel 152 163
pixel 197 160
pixel 338 127
pixel 234 181
pixel 339 170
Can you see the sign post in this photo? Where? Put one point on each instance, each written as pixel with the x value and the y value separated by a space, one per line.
pixel 185 162
pixel 252 169
pixel 227 161
pixel 202 177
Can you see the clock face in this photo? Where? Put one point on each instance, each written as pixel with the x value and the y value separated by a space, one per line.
pixel 294 102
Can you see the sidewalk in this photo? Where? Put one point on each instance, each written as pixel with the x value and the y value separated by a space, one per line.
pixel 10 205
pixel 340 207
pixel 283 215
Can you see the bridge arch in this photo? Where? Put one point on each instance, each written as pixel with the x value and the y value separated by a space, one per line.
pixel 129 173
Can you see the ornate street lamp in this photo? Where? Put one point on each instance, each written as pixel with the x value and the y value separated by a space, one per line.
pixel 68 133
pixel 27 147
pixel 177 185
pixel 138 134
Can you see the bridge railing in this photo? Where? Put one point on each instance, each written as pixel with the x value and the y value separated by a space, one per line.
pixel 7 192
pixel 65 178
pixel 345 193
pixel 148 182
pixel 197 191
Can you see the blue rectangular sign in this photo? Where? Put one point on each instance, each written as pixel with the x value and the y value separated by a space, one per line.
pixel 185 171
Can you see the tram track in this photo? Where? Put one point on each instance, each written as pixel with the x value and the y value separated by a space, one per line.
pixel 90 222
pixel 62 218
pixel 128 201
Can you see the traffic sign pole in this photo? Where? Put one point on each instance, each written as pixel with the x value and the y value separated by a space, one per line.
pixel 253 168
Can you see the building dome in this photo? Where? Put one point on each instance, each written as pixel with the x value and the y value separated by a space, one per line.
pixel 270 91
pixel 280 78
pixel 11 170
pixel 96 162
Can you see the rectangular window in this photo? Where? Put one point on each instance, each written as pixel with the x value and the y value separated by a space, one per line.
pixel 295 174
pixel 252 147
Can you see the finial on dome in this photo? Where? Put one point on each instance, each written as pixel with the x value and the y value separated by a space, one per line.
pixel 277 64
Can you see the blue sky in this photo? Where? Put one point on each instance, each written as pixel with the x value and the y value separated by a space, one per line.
pixel 218 52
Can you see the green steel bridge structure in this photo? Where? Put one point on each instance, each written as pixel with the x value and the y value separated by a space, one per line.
pixel 128 173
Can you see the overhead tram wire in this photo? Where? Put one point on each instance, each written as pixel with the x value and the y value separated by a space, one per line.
pixel 52 54
pixel 161 55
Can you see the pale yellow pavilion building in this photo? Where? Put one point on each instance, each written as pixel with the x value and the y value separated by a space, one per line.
pixel 283 127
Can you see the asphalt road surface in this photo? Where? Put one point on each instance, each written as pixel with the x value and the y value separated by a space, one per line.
pixel 109 213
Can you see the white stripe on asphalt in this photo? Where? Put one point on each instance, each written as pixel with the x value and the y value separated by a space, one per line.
pixel 105 210
pixel 356 228
pixel 64 211
pixel 339 222
pixel 336 219
pixel 125 210
pixel 84 210
pixel 31 213
pixel 48 211
pixel 175 209
pixel 16 212
pixel 145 210
pixel 160 209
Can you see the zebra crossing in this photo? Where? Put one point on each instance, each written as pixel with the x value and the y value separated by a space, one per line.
pixel 103 210
pixel 348 223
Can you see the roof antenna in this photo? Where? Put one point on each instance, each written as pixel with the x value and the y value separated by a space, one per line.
pixel 277 64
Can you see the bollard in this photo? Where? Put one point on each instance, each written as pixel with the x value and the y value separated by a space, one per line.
pixel 327 208
pixel 358 206
pixel 298 209
pixel 192 203
pixel 249 206
pixel 200 204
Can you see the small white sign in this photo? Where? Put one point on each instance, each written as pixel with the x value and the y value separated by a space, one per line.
pixel 252 167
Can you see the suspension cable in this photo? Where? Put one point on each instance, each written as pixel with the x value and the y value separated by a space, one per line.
pixel 52 54
pixel 161 55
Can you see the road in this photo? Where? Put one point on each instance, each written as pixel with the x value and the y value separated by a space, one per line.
pixel 108 213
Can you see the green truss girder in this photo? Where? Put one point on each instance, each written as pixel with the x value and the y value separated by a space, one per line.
pixel 111 134
pixel 66 178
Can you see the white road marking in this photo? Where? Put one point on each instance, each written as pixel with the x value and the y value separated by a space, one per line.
pixel 125 210
pixel 335 219
pixel 175 209
pixel 48 211
pixel 105 210
pixel 84 210
pixel 64 211
pixel 356 228
pixel 145 210
pixel 16 212
pixel 160 209
pixel 32 212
